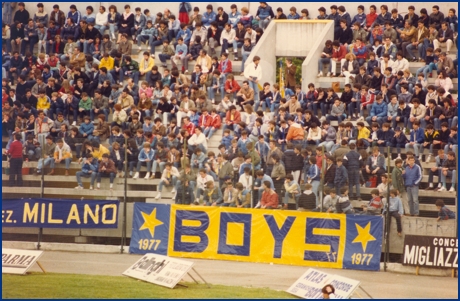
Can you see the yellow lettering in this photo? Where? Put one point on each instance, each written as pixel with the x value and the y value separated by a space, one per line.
pixel 73 215
pixel 94 216
pixel 28 214
pixel 50 216
pixel 104 213
pixel 42 218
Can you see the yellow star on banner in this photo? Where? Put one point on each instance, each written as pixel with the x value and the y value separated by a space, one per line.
pixel 150 221
pixel 364 236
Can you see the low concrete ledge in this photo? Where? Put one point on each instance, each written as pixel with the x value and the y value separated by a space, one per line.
pixel 65 247
pixel 405 269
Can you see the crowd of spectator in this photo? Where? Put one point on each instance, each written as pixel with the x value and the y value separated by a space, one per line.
pixel 80 93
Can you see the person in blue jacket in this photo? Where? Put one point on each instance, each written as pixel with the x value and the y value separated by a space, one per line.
pixel 264 15
pixel 378 112
pixel 417 137
pixel 412 175
pixel 209 16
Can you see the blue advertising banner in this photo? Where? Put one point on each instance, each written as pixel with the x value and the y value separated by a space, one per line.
pixel 256 235
pixel 150 228
pixel 59 213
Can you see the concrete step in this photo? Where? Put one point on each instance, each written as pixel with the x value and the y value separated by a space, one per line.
pixel 422 207
pixel 326 82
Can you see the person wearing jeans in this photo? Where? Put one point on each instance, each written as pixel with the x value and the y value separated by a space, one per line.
pixel 168 178
pixel 88 170
pixel 292 190
pixel 245 52
pixel 417 137
pixel 145 158
pixel 166 54
pixel 161 38
pixel 421 35
pixel 48 148
pixel 227 39
pixel 253 73
pixel 62 153
pixel 412 176
pixel 313 177
pixel 106 169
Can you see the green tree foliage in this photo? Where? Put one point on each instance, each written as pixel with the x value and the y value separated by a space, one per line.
pixel 297 61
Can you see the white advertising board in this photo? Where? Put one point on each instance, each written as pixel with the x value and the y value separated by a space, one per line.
pixel 310 284
pixel 158 269
pixel 18 261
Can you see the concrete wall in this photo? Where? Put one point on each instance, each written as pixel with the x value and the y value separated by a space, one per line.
pixel 295 38
pixel 267 52
pixel 287 38
pixel 423 226
pixel 310 65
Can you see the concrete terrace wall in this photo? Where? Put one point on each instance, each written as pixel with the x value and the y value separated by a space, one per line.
pixel 286 38
pixel 310 65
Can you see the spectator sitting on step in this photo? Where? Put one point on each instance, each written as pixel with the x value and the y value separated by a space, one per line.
pixel 444 213
pixel 168 178
pixel 106 169
pixel 62 153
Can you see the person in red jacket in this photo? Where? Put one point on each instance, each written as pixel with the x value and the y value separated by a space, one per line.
pixel 204 120
pixel 232 118
pixel 188 126
pixel 269 198
pixel 214 124
pixel 231 86
pixel 225 65
pixel 338 56
pixel 15 154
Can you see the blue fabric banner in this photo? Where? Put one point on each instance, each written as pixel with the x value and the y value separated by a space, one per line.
pixel 150 228
pixel 256 235
pixel 59 213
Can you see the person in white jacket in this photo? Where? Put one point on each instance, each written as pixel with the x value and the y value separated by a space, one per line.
pixel 198 140
pixel 201 181
pixel 227 37
pixel 401 63
pixel 101 22
pixel 314 135
pixel 444 81
pixel 168 178
pixel 253 73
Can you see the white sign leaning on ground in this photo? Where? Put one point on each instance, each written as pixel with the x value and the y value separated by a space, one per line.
pixel 18 261
pixel 159 269
pixel 310 284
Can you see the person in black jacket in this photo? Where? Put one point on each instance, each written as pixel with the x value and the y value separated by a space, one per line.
pixel 347 95
pixel 376 82
pixel 290 159
pixel 221 17
pixel 16 36
pixel 164 109
pixel 21 15
pixel 153 77
pixel 345 33
pixel 353 161
pixel 214 34
pixel 15 66
pixel 91 34
pixel 329 176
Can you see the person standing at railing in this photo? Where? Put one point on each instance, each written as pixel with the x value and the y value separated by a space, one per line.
pixel 15 154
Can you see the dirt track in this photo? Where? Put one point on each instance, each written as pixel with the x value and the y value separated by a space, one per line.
pixel 279 277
